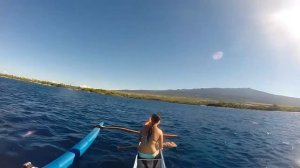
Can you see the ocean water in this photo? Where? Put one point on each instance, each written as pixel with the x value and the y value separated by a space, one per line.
pixel 39 123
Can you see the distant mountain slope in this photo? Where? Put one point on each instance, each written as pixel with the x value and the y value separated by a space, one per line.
pixel 243 95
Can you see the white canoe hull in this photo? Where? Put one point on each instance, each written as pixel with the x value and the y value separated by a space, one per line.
pixel 138 163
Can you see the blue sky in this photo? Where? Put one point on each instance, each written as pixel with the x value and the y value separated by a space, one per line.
pixel 155 44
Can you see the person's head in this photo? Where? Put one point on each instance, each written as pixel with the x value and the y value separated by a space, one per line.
pixel 155 119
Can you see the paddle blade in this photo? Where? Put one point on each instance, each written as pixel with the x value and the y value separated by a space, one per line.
pixel 170 144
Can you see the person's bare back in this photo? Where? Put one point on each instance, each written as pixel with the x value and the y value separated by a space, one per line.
pixel 155 141
pixel 151 138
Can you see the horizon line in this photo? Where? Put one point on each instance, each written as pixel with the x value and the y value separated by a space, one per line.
pixel 85 86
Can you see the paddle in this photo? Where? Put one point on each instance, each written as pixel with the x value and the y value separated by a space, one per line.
pixel 165 144
pixel 132 131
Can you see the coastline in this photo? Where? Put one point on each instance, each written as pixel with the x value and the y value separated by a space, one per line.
pixel 170 99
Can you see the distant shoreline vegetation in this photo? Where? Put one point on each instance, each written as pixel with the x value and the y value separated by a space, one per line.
pixel 171 99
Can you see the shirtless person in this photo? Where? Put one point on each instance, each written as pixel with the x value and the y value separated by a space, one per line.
pixel 151 140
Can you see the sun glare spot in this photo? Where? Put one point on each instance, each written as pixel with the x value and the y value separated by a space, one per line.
pixel 289 21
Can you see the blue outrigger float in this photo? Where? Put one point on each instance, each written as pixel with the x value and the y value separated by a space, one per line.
pixel 68 158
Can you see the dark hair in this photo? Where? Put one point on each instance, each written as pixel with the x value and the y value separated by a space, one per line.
pixel 154 119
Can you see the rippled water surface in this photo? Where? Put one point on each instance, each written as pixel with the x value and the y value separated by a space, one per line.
pixel 38 123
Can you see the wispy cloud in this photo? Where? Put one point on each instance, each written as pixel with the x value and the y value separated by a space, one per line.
pixel 218 55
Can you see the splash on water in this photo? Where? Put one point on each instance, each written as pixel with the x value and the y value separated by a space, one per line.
pixel 28 134
pixel 298 162
pixel 285 142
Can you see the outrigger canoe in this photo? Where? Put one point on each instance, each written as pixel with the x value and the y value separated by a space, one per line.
pixel 138 163
pixel 76 151
pixel 68 158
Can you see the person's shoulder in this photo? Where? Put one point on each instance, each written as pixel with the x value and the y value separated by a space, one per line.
pixel 160 131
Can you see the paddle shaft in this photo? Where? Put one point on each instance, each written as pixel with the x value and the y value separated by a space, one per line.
pixel 134 131
pixel 165 144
